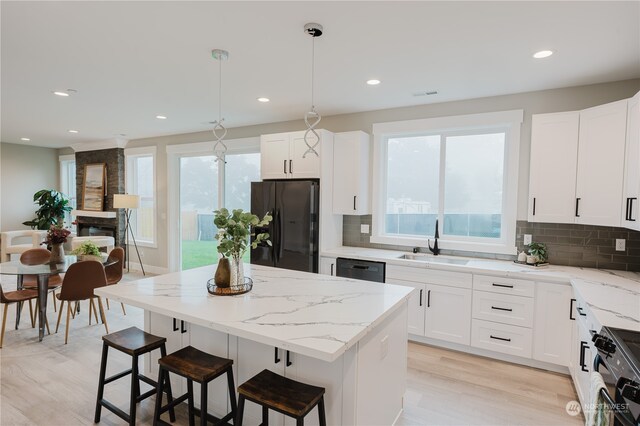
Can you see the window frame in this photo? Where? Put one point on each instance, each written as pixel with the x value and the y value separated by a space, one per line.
pixel 64 162
pixel 508 122
pixel 130 155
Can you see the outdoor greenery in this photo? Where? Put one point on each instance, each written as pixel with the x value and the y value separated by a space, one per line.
pixel 52 207
pixel 197 253
pixel 234 230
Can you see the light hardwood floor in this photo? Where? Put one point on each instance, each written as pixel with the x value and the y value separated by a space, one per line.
pixel 50 383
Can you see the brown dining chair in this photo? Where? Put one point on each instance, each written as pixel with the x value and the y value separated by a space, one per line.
pixel 15 297
pixel 114 272
pixel 78 284
pixel 39 256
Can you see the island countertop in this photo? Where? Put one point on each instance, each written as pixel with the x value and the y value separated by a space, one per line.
pixel 315 315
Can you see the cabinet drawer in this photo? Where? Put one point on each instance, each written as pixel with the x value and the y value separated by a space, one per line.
pixel 428 276
pixel 508 339
pixel 503 285
pixel 503 308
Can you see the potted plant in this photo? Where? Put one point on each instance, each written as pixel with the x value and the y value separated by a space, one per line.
pixel 538 251
pixel 88 250
pixel 56 237
pixel 53 206
pixel 234 230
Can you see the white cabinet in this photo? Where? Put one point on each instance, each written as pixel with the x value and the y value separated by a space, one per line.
pixel 581 363
pixel 177 334
pixel 283 156
pixel 508 339
pixel 631 193
pixel 553 321
pixel 448 313
pixel 416 305
pixel 351 157
pixel 328 266
pixel 601 151
pixel 554 159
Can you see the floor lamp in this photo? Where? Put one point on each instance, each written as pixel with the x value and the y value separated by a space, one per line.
pixel 128 202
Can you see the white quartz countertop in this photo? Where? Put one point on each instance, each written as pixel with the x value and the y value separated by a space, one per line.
pixel 310 314
pixel 613 297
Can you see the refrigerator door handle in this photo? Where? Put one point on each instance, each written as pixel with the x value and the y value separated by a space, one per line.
pixel 279 248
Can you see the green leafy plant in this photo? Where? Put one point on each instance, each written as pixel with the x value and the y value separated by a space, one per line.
pixel 539 250
pixel 56 235
pixel 234 230
pixel 88 248
pixel 52 207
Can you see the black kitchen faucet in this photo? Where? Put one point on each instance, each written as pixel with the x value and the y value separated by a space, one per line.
pixel 435 250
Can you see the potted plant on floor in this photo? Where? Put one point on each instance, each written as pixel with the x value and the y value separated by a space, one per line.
pixel 234 230
pixel 52 207
pixel 88 251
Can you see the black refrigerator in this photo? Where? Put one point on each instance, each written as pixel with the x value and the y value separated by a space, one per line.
pixel 294 228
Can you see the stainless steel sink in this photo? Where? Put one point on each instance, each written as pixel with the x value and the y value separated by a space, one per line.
pixel 428 258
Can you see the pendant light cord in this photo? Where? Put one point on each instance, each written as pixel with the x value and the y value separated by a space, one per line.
pixel 313 67
pixel 220 90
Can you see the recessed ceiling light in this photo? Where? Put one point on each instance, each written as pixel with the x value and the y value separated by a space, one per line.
pixel 263 99
pixel 161 117
pixel 65 94
pixel 542 54
pixel 73 131
pixel 373 82
pixel 25 139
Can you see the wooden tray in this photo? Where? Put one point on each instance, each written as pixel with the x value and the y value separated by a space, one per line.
pixel 233 290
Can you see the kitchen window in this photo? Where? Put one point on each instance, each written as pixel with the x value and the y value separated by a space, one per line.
pixel 140 175
pixel 68 184
pixel 461 171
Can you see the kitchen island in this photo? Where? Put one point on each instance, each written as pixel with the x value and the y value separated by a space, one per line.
pixel 346 335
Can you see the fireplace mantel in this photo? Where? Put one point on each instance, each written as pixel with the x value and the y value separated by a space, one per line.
pixel 89 213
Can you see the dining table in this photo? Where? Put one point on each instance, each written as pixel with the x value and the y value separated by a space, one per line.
pixel 42 272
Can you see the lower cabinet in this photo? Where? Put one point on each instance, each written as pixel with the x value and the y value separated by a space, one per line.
pixel 448 313
pixel 177 335
pixel 416 306
pixel 581 361
pixel 504 338
pixel 328 266
pixel 553 324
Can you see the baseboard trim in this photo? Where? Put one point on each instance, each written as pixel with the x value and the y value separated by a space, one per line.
pixel 490 354
pixel 158 270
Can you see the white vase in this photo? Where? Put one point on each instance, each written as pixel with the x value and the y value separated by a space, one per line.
pixel 237 271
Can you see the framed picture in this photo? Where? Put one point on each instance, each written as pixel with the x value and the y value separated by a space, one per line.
pixel 93 186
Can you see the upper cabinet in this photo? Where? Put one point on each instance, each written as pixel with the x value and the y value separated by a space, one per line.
pixel 351 157
pixel 631 193
pixel 577 166
pixel 554 159
pixel 601 152
pixel 284 156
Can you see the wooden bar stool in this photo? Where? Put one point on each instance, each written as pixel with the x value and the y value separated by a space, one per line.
pixel 286 396
pixel 200 367
pixel 133 342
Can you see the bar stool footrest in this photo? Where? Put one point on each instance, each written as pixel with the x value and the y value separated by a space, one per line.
pixel 213 419
pixel 173 403
pixel 115 410
pixel 117 376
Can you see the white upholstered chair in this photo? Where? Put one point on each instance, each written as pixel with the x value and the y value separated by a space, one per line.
pixel 17 242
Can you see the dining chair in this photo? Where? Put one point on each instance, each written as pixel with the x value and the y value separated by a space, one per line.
pixel 15 297
pixel 78 284
pixel 40 256
pixel 114 272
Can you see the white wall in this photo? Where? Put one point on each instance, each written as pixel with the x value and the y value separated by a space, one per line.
pixel 563 99
pixel 24 170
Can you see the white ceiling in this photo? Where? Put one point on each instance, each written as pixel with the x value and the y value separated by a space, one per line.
pixel 131 61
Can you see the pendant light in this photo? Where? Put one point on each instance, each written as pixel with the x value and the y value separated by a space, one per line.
pixel 219 131
pixel 312 117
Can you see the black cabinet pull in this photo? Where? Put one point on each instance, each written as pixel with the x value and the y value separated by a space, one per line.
pixel 534 206
pixel 501 285
pixel 502 309
pixel 332 269
pixel 577 206
pixel 582 314
pixel 275 356
pixel 583 346
pixel 428 298
pixel 291 166
pixel 421 297
pixel 631 200
pixel 284 166
pixel 289 363
pixel 175 324
pixel 499 338
pixel 571 317
pixel 183 328
pixel 354 202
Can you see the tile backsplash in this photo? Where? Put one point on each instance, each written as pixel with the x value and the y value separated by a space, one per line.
pixel 568 244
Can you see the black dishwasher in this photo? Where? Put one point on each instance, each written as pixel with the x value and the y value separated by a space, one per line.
pixel 360 269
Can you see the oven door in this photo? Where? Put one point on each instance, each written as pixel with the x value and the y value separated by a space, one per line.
pixel 626 410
